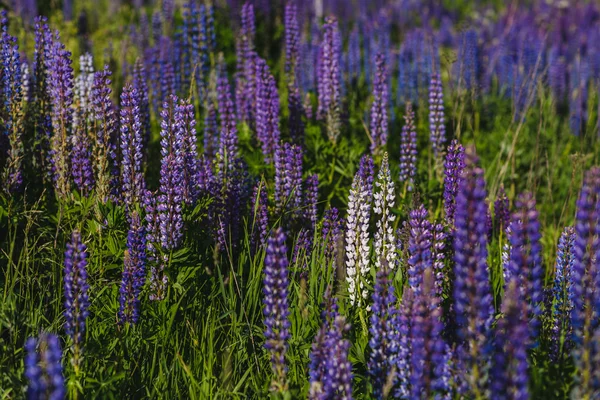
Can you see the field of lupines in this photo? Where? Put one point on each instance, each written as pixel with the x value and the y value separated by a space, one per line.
pixel 293 199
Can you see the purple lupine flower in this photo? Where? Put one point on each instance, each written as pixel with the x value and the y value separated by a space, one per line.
pixel 134 271
pixel 246 86
pixel 408 148
pixel 353 59
pixel 132 177
pixel 81 163
pixel 509 373
pixel 140 84
pixel 106 124
pixel 228 141
pixel 468 68
pixel 437 129
pixel 76 293
pixel 276 310
pixel 311 198
pixel 171 177
pixel 288 178
pixel 292 40
pixel 43 368
pixel 404 323
pixel 302 252
pixel 437 256
pixel 419 247
pixel 384 340
pixel 158 278
pixel 329 78
pixel 585 274
pixel 472 293
pixel 563 305
pixel 366 171
pixel 430 355
pixel 502 210
pixel 384 200
pixel 186 131
pixel 379 107
pixel 453 169
pixel 259 216
pixel 267 110
pixel 331 232
pixel 60 84
pixel 12 113
pixel 525 265
pixel 211 133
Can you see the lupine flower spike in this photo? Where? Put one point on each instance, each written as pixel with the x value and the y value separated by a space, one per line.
pixel 408 149
pixel 43 368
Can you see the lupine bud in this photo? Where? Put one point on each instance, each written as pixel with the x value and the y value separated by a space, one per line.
pixel 276 308
pixel 379 107
pixel 43 368
pixel 408 148
pixel 502 210
pixel 140 84
pixel 453 169
pixel 134 272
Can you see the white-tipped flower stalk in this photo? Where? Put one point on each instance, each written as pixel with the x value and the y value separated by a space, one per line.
pixel 384 198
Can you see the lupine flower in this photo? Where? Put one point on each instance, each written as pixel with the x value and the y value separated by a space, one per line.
pixel 43 368
pixel 331 232
pixel 267 110
pixel 211 134
pixel 357 240
pixel 132 178
pixel 186 131
pixel 81 163
pixel 157 28
pixel 171 178
pixel 311 198
pixel 384 341
pixel 259 217
pixel 379 107
pixel 472 293
pixel 366 171
pixel 158 279
pixel 384 199
pixel 562 289
pixel 292 43
pixel 525 266
pixel 468 69
pixel 353 59
pixel 438 256
pixel 246 86
pixel 453 169
pixel 502 210
pixel 430 355
pixel 584 274
pixel 60 84
pixel 509 375
pixel 419 247
pixel 134 271
pixel 288 178
pixel 140 84
pixel 12 112
pixel 76 293
pixel 329 78
pixel 318 354
pixel 404 324
pixel 408 148
pixel 83 85
pixel 436 116
pixel 106 132
pixel 276 310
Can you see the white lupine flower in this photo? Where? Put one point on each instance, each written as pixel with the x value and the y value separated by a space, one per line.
pixel 83 87
pixel 384 201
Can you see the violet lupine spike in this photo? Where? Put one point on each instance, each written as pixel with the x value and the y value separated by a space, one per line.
pixel 311 198
pixel 140 84
pixel 437 130
pixel 12 114
pixel 502 210
pixel 379 107
pixel 329 79
pixel 408 149
pixel 211 133
pixel 106 123
pixel 81 161
pixel 366 171
pixel 171 178
pixel 267 110
pixel 525 264
pixel 419 247
pixel 384 341
pixel 259 218
pixel 430 355
pixel 76 293
pixel 276 307
pixel 453 169
pixel 247 89
pixel 228 141
pixel 561 291
pixel 158 278
pixel 472 292
pixel 43 368
pixel 353 59
pixel 131 143
pixel 60 85
pixel 292 47
pixel 404 324
pixel 384 198
pixel 134 272
pixel 585 275
pixel 332 232
pixel 186 131
pixel 438 256
pixel 288 178
pixel 509 378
